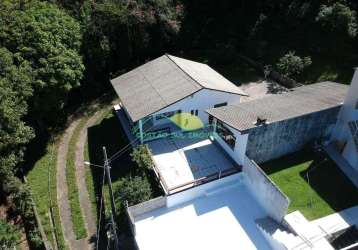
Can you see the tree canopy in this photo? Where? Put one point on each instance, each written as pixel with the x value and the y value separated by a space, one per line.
pixel 9 236
pixel 15 89
pixel 50 40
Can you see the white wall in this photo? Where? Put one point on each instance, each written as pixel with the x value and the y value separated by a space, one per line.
pixel 238 152
pixel 270 197
pixel 192 193
pixel 202 100
pixel 346 114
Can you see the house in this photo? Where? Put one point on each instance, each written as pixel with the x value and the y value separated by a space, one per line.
pixel 216 196
pixel 273 126
pixel 169 85
pixel 344 146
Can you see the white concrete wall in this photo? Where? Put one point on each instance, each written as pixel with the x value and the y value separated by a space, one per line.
pixel 270 197
pixel 346 114
pixel 202 100
pixel 192 193
pixel 238 152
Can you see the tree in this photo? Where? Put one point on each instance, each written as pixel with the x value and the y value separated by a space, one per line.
pixel 141 156
pixel 9 235
pixel 337 18
pixel 50 40
pixel 119 35
pixel 134 190
pixel 292 65
pixel 15 90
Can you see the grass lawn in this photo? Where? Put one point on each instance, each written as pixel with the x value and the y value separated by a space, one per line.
pixel 44 169
pixel 327 191
pixel 106 132
pixel 79 227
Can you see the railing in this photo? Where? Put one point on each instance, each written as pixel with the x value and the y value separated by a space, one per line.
pixel 202 180
pixel 157 173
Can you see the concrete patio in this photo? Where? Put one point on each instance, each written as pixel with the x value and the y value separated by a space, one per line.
pixel 221 218
pixel 180 161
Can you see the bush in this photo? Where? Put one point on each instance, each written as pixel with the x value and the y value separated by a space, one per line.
pixel 292 65
pixel 134 190
pixel 338 18
pixel 9 235
pixel 141 155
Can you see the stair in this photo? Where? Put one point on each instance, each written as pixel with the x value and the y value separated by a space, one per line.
pixel 279 233
pixel 313 236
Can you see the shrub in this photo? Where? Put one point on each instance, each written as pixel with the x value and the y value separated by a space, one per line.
pixel 9 235
pixel 292 65
pixel 134 190
pixel 338 18
pixel 141 155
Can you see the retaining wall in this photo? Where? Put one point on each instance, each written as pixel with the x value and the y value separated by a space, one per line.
pixel 277 139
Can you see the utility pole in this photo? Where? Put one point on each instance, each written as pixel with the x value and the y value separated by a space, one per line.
pixel 113 214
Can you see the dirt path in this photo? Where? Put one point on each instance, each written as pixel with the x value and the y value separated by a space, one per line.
pixel 62 191
pixel 84 198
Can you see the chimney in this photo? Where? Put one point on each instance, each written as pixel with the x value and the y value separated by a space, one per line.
pixel 260 121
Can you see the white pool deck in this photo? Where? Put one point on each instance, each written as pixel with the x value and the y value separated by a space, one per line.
pixel 221 218
pixel 182 160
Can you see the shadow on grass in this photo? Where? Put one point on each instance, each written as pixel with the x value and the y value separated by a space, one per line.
pixel 109 133
pixel 331 184
pixel 325 181
pixel 36 149
pixel 287 161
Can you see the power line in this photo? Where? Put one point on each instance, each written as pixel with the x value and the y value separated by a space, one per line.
pixel 126 147
pixel 100 210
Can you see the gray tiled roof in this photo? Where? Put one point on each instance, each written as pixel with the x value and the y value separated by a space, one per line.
pixel 164 81
pixel 297 102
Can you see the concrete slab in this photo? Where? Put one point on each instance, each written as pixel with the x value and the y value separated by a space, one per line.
pixel 182 160
pixel 222 218
pixel 260 89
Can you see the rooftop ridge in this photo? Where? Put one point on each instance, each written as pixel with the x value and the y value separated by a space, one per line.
pixel 169 57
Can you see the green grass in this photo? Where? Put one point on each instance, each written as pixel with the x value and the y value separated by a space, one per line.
pixel 91 185
pixel 42 189
pixel 73 195
pixel 327 191
pixel 106 132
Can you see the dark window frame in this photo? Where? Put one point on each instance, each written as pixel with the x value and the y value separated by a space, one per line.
pixel 225 134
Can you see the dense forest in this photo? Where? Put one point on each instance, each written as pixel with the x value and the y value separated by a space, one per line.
pixel 57 55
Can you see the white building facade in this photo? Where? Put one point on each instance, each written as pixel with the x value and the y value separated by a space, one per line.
pixel 346 130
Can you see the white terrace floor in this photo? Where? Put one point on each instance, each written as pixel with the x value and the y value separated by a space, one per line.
pixel 223 217
pixel 182 160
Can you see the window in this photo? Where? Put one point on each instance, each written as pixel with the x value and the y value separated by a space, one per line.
pixel 211 118
pixel 225 134
pixel 356 107
pixel 353 126
pixel 192 112
pixel 220 104
pixel 196 112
